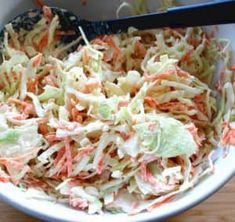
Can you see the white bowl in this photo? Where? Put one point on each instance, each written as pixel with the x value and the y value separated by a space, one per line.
pixel 49 211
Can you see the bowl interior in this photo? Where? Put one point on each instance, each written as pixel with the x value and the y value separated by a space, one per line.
pixel 224 167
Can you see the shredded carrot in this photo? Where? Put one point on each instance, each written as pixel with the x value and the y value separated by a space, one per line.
pixel 177 32
pixel 225 124
pixel 64 33
pixel 123 103
pixel 82 174
pixel 28 108
pixel 200 103
pixel 43 43
pixel 6 76
pixel 69 160
pixel 85 58
pixel 97 41
pixel 186 56
pixel 135 88
pixel 232 67
pixel 32 182
pixel 199 98
pixel 4 177
pixel 91 85
pixel 37 60
pixel 193 41
pixel 100 167
pixel 147 37
pixel 107 57
pixel 229 136
pixel 31 85
pixel 42 126
pixel 76 115
pixel 158 76
pixel 60 169
pixel 78 203
pixel 182 73
pixel 50 81
pixel 113 153
pixel 51 137
pixel 64 159
pixel 199 137
pixel 125 136
pixel 174 106
pixel 152 102
pixel 59 155
pixel 143 171
pixel 84 152
pixel 110 41
pixel 139 50
pixel 15 75
pixel 147 175
pixel 47 13
pixel 17 102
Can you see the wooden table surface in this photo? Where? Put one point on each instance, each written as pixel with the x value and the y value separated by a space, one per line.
pixel 218 208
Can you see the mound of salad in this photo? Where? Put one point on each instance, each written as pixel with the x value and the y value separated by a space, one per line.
pixel 122 124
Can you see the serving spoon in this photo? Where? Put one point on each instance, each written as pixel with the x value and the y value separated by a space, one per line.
pixel 211 13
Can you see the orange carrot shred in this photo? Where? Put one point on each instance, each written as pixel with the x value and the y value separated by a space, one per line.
pixel 63 33
pixel 232 67
pixel 47 13
pixel 186 56
pixel 151 101
pixel 229 136
pixel 100 167
pixel 69 161
pixel 140 51
pixel 156 205
pixel 37 60
pixel 43 43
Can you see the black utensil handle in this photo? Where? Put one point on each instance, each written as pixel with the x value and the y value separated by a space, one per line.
pixel 218 12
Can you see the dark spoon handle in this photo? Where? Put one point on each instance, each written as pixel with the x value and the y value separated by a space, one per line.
pixel 217 12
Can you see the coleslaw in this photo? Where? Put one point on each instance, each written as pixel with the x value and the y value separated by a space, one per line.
pixel 122 124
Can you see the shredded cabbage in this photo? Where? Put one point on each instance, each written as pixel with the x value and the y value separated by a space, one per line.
pixel 122 124
pixel 165 137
